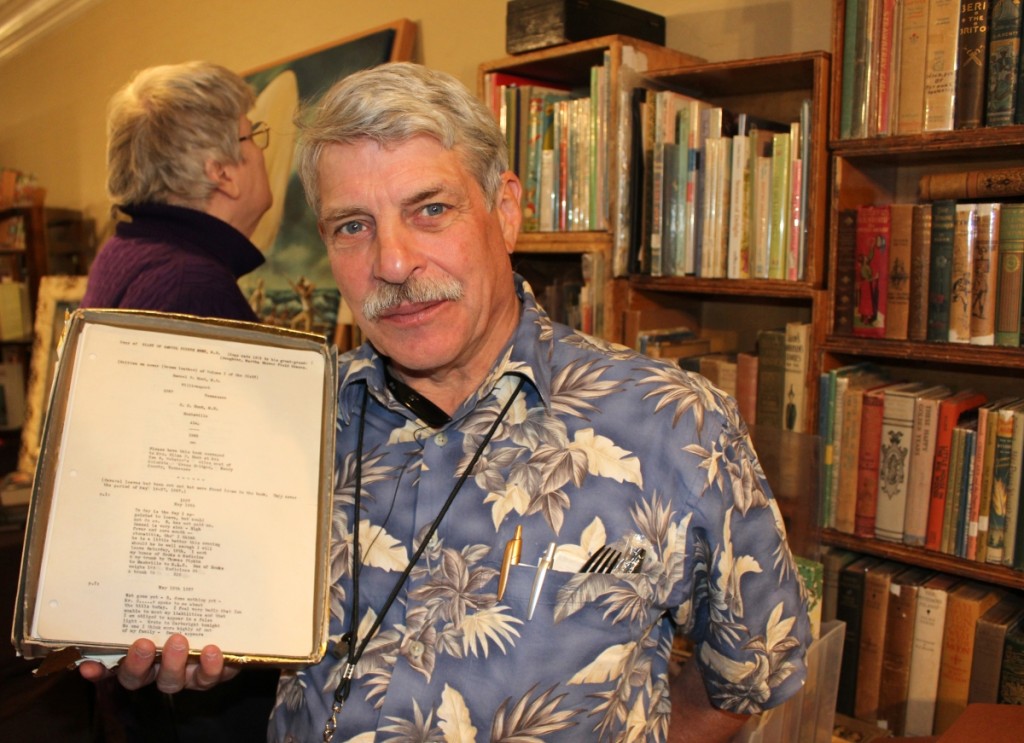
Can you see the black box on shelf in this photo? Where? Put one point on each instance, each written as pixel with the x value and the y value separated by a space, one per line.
pixel 538 24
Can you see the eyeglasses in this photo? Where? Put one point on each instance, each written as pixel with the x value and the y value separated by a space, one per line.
pixel 259 136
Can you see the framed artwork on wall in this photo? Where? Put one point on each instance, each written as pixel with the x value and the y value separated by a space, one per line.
pixel 295 288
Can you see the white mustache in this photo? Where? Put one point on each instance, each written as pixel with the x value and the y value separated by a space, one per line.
pixel 387 296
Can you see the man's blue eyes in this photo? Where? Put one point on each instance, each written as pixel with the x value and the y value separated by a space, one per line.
pixel 356 227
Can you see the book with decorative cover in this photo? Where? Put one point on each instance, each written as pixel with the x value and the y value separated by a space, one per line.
pixel 185 447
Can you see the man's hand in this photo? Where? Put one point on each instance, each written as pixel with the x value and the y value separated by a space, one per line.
pixel 174 671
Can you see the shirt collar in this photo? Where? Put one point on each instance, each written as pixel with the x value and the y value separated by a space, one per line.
pixel 527 355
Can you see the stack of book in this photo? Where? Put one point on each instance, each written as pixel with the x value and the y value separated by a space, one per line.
pixel 722 193
pixel 930 65
pixel 920 646
pixel 923 465
pixel 948 270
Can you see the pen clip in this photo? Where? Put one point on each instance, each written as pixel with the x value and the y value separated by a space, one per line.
pixel 538 580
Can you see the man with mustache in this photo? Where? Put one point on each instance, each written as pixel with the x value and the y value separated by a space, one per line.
pixel 471 427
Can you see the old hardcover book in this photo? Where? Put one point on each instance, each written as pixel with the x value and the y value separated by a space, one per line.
pixel 967 603
pixel 958 485
pixel 971 65
pixel 849 609
pixel 854 102
pixel 869 461
pixel 1009 276
pixel 920 263
pixel 1003 62
pixel 1015 495
pixel 1002 486
pixel 986 183
pixel 981 486
pixel 965 238
pixel 911 70
pixel 940 272
pixel 771 377
pixel 899 646
pixel 877 582
pixel 887 60
pixel 989 642
pixel 897 315
pixel 898 406
pixel 940 64
pixel 950 411
pixel 922 458
pixel 833 561
pixel 926 657
pixel 1011 679
pixel 780 205
pixel 983 281
pixel 831 405
pixel 872 270
pixel 798 354
pixel 221 441
pixel 746 386
pixel 846 272
pixel 848 440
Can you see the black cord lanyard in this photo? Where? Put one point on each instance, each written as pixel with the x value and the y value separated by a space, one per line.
pixel 345 684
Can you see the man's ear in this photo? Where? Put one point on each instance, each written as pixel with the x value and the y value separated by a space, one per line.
pixel 510 213
pixel 222 177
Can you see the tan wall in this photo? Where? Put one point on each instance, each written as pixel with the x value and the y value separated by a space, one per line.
pixel 53 93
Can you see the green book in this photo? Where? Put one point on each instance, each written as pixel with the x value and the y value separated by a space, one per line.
pixel 1009 275
pixel 940 274
pixel 1003 60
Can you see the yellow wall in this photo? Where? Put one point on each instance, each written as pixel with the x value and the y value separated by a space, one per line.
pixel 53 93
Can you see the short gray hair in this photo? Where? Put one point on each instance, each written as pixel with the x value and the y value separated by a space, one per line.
pixel 163 126
pixel 392 103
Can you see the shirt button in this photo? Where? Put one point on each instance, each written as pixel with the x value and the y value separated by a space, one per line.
pixel 416 649
pixel 441 438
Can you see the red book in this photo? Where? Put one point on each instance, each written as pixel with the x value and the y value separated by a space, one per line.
pixel 868 461
pixel 950 411
pixel 872 270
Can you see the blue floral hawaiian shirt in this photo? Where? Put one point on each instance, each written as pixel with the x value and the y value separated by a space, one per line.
pixel 601 446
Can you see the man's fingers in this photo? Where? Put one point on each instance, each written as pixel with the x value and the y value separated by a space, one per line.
pixel 137 668
pixel 210 670
pixel 170 678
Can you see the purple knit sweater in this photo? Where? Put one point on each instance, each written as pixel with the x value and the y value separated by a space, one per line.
pixel 173 259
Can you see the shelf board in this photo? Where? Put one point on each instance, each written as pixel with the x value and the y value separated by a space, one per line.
pixel 980 571
pixel 946 353
pixel 564 242
pixel 960 144
pixel 730 287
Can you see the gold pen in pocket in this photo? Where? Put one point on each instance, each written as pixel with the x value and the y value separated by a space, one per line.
pixel 513 549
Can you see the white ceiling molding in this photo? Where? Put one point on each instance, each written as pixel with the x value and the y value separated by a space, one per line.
pixel 23 21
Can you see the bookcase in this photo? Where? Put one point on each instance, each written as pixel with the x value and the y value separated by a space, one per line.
pixel 774 89
pixel 586 255
pixel 887 169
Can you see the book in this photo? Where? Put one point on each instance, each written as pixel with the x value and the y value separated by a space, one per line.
pixel 871 258
pixel 760 200
pixel 965 237
pixel 739 259
pixel 853 109
pixel 869 456
pixel 715 202
pixel 920 264
pixel 900 620
pixel 1003 61
pixel 886 65
pixel 746 386
pixel 833 389
pixel 780 205
pixel 1009 277
pixel 950 411
pixel 989 643
pixel 911 74
pixel 898 406
pixel 845 294
pixel 798 353
pixel 877 581
pixel 833 561
pixel 901 227
pixel 207 518
pixel 1002 486
pixel 720 370
pixel 812 579
pixel 983 280
pixel 981 489
pixel 971 65
pixel 1013 545
pixel 940 64
pixel 922 458
pixel 977 184
pixel 940 270
pixel 1011 677
pixel 771 374
pixel 849 609
pixel 958 484
pixel 848 441
pixel 967 602
pixel 926 656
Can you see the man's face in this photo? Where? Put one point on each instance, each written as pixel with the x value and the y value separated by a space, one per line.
pixel 412 216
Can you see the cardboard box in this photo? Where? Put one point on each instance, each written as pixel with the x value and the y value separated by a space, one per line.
pixel 537 24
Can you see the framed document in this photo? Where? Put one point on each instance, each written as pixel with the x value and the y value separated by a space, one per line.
pixel 183 484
